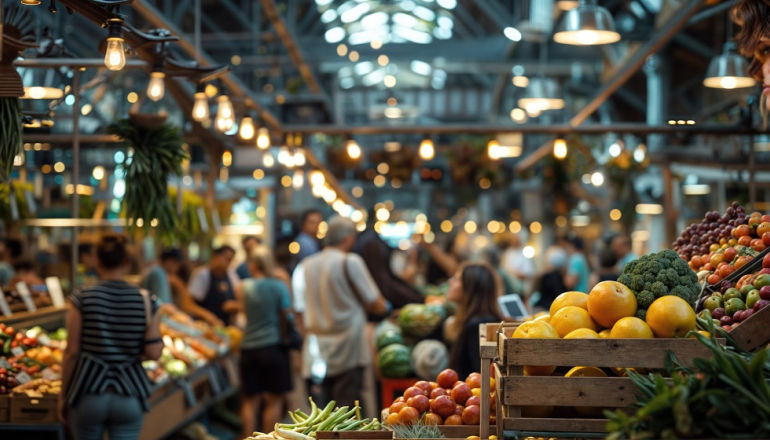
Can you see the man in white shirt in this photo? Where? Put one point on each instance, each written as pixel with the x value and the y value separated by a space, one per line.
pixel 338 293
pixel 514 263
pixel 213 286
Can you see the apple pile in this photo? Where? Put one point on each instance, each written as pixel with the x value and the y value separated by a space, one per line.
pixel 447 401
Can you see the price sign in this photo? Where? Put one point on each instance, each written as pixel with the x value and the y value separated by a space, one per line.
pixel 26 296
pixel 17 351
pixel 4 363
pixel 23 378
pixel 4 306
pixel 54 289
pixel 49 374
pixel 44 340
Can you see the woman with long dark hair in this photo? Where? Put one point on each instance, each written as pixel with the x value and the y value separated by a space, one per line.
pixel 475 288
pixel 753 39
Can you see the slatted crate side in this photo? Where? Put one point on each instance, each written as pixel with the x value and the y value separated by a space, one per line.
pixel 754 333
pixel 613 353
pixel 601 392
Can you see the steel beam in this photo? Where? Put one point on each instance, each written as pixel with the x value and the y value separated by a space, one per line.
pixel 496 13
pixel 557 129
pixel 232 82
pixel 637 60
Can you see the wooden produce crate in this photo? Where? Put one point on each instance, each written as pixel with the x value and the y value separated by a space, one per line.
pixel 515 390
pixel 488 334
pixel 355 435
pixel 5 406
pixel 26 410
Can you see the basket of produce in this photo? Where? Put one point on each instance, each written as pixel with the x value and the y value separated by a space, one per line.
pixel 329 422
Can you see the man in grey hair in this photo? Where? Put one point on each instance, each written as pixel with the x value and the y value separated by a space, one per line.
pixel 338 293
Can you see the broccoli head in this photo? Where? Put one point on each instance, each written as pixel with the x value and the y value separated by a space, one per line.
pixel 681 267
pixel 682 292
pixel 648 286
pixel 650 267
pixel 669 277
pixel 641 314
pixel 644 299
pixel 625 279
pixel 665 263
pixel 687 281
pixel 669 255
pixel 659 289
pixel 630 266
pixel 650 277
pixel 637 283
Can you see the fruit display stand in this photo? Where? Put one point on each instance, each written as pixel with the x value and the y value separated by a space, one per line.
pixel 516 391
pixel 393 388
pixel 48 318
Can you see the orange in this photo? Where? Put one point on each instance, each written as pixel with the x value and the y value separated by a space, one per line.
pixel 631 328
pixel 609 301
pixel 582 333
pixel 587 411
pixel 572 318
pixel 536 330
pixel 544 318
pixel 577 299
pixel 604 334
pixel 703 332
pixel 670 316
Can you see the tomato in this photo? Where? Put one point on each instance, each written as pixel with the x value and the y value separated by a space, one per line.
pixel 756 215
pixel 745 240
pixel 762 228
pixel 713 279
pixel 714 247
pixel 754 221
pixel 765 218
pixel 741 261
pixel 716 259
pixel 725 270
pixel 742 231
pixel 730 254
pixel 766 238
pixel 9 331
pixel 759 246
pixel 721 265
pixel 696 262
pixel 708 267
pixel 33 369
pixel 732 242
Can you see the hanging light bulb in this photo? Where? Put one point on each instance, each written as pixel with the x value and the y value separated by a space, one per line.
pixel 299 158
pixel 246 131
pixel 225 114
pixel 587 25
pixel 354 151
pixel 493 149
pixel 200 110
pixel 30 2
pixel 317 178
pixel 298 179
pixel 427 151
pixel 115 56
pixel 728 71
pixel 560 148
pixel 267 159
pixel 263 138
pixel 157 86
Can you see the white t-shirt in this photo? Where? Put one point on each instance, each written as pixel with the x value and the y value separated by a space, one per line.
pixel 201 278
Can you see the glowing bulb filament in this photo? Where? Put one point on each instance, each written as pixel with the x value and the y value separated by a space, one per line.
pixel 157 87
pixel 115 57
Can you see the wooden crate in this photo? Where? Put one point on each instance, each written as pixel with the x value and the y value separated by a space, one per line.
pixel 33 410
pixel 488 336
pixel 5 415
pixel 754 333
pixel 449 431
pixel 364 435
pixel 514 390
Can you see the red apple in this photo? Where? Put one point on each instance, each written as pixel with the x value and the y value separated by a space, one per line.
pixel 459 410
pixel 438 392
pixel 413 391
pixel 472 415
pixel 432 419
pixel 400 399
pixel 454 419
pixel 461 393
pixel 433 385
pixel 766 261
pixel 474 380
pixel 420 403
pixel 443 406
pixel 397 407
pixel 764 292
pixel 409 416
pixel 766 238
pixel 473 400
pixel 447 378
pixel 424 386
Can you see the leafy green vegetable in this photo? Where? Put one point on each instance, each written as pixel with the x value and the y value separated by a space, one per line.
pixel 659 275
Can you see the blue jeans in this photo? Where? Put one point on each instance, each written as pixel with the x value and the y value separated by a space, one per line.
pixel 120 416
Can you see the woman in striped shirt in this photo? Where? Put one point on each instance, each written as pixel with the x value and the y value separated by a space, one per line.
pixel 112 327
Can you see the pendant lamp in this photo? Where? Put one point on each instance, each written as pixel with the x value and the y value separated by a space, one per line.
pixel 587 25
pixel 728 70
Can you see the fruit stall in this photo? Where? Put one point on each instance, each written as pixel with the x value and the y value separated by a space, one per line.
pixel 195 371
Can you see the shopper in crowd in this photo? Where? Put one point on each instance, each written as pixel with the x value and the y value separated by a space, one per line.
pixel 163 281
pixel 10 251
pixel 550 283
pixel 445 260
pixel 621 246
pixel 249 242
pixel 475 288
pixel 266 373
pixel 377 256
pixel 608 267
pixel 24 271
pixel 111 327
pixel 213 286
pixel 578 268
pixel 87 260
pixel 514 263
pixel 308 234
pixel 337 277
pixel 492 256
pixel 753 40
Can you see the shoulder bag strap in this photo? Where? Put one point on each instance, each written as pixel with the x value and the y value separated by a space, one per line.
pixel 350 280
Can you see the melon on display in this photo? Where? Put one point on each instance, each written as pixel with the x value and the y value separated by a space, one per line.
pixel 419 320
pixel 430 357
pixel 389 337
pixel 394 361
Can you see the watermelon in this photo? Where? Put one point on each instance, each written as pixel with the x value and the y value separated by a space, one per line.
pixel 395 361
pixel 430 357
pixel 419 320
pixel 385 326
pixel 389 337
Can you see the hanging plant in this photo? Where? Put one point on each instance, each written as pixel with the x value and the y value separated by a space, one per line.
pixel 18 34
pixel 154 151
pixel 189 219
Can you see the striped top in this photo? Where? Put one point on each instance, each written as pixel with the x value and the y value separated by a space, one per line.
pixel 112 341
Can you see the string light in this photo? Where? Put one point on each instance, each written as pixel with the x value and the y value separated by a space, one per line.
pixel 263 138
pixel 560 148
pixel 225 119
pixel 200 110
pixel 115 55
pixel 156 89
pixel 246 130
pixel 354 151
pixel 427 151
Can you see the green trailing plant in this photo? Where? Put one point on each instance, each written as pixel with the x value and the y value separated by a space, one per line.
pixel 11 131
pixel 727 396
pixel 153 153
pixel 418 430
